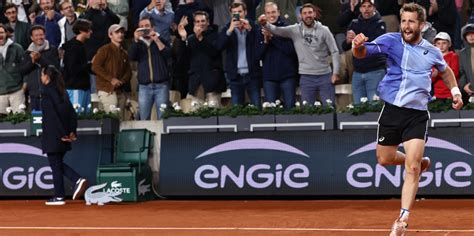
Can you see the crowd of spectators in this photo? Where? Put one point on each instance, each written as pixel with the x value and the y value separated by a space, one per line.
pixel 202 48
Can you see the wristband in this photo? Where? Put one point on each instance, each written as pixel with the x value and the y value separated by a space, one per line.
pixel 455 91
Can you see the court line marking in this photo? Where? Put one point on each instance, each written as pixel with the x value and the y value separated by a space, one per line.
pixel 223 229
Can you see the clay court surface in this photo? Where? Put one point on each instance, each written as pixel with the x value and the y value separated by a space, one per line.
pixel 237 217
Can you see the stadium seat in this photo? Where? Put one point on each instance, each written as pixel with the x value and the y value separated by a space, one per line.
pixel 130 173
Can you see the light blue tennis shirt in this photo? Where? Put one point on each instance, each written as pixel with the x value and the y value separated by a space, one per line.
pixel 408 79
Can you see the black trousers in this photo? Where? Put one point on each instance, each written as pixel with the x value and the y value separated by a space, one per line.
pixel 60 169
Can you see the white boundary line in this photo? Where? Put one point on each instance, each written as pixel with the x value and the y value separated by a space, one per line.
pixel 226 229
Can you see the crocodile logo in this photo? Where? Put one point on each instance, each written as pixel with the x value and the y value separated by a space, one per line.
pixel 100 198
pixel 116 184
pixel 142 188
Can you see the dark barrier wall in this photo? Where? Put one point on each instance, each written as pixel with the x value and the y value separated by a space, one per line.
pixel 317 163
pixel 25 171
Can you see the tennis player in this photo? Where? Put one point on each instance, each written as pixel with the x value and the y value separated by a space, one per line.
pixel 406 92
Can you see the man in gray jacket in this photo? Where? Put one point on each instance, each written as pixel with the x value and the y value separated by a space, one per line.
pixel 314 43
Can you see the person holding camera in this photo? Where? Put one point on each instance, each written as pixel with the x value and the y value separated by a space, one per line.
pixel 243 70
pixel 151 53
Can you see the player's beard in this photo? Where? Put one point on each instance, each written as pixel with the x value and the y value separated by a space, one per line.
pixel 413 36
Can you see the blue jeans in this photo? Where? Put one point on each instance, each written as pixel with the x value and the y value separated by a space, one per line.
pixel 242 84
pixel 365 84
pixel 81 97
pixel 149 94
pixel 274 89
pixel 60 169
pixel 311 84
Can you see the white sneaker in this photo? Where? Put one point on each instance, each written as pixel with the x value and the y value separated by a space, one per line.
pixel 55 201
pixel 80 188
pixel 399 228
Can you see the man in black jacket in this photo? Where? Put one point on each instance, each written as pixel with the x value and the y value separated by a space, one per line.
pixel 205 72
pixel 280 62
pixel 242 69
pixel 151 52
pixel 39 54
pixel 76 65
pixel 368 72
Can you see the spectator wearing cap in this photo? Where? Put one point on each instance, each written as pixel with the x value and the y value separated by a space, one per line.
pixel 21 29
pixel 112 68
pixel 369 71
pixel 443 42
pixel 466 63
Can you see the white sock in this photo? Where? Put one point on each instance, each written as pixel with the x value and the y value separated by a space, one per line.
pixel 404 213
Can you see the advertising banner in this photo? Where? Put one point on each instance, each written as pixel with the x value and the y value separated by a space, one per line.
pixel 24 169
pixel 316 163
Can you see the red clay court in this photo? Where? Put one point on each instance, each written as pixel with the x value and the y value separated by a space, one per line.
pixel 235 217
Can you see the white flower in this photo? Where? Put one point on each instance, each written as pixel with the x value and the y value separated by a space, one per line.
pixel 375 97
pixel 280 106
pixel 194 103
pixel 76 106
pixel 329 101
pixel 266 105
pixel 212 104
pixel 305 103
pixel 81 109
pixel 277 102
pixel 433 98
pixel 89 106
pixel 175 104
pixel 9 110
pixel 350 106
pixel 117 109
pixel 471 99
pixel 163 105
pixel 95 110
pixel 364 99
pixel 297 104
pixel 250 105
pixel 22 107
pixel 162 109
pixel 177 108
pixel 112 107
pixel 205 104
pixel 273 104
pixel 317 103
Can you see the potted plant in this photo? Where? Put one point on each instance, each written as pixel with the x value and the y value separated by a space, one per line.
pixel 467 112
pixel 306 117
pixel 199 119
pixel 15 123
pixel 245 117
pixel 98 121
pixel 441 112
pixel 360 116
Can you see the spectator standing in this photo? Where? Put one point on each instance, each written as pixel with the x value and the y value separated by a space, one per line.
pixel 49 19
pixel 151 53
pixel 444 43
pixel 187 10
pixel 11 81
pixel 39 54
pixel 162 18
pixel 59 131
pixel 206 75
pixel 21 29
pixel 368 72
pixel 314 44
pixel 67 22
pixel 112 67
pixel 286 7
pixel 76 66
pixel 243 71
pixel 23 7
pixel 280 62
pixel 466 63
pixel 101 17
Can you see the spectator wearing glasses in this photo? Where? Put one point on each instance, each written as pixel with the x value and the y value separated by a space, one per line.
pixel 21 29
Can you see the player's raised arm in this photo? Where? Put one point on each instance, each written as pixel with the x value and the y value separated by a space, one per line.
pixel 358 48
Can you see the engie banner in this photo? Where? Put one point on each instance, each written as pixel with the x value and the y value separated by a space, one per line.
pixel 316 163
pixel 24 169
